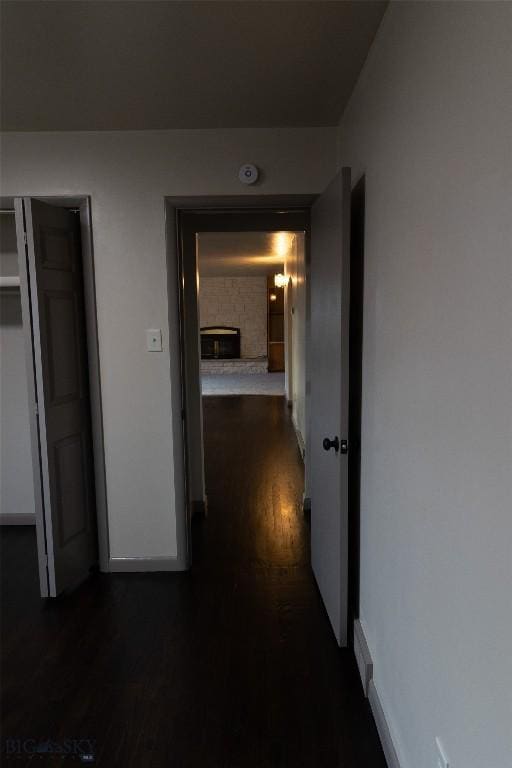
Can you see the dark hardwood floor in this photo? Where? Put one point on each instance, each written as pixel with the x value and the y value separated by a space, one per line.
pixel 232 665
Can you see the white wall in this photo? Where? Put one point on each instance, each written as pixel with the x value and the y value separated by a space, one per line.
pixel 295 334
pixel 430 123
pixel 16 482
pixel 127 175
pixel 240 302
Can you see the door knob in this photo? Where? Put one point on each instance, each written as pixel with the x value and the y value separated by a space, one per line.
pixel 328 444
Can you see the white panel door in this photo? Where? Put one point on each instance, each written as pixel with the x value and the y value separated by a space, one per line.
pixel 330 308
pixel 52 284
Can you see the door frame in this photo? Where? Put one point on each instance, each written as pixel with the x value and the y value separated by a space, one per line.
pixel 356 331
pixel 83 205
pixel 178 265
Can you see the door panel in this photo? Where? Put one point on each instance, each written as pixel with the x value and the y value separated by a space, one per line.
pixel 329 355
pixel 59 349
pixel 61 322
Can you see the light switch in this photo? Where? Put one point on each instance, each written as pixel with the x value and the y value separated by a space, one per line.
pixel 154 340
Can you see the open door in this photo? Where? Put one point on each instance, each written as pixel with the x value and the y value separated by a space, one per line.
pixel 53 305
pixel 329 355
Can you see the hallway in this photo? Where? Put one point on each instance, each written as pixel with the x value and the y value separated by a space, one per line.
pixel 232 665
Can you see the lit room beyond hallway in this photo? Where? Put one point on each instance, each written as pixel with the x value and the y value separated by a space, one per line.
pixel 231 665
pixel 242 310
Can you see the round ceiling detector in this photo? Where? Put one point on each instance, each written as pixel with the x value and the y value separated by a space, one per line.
pixel 248 174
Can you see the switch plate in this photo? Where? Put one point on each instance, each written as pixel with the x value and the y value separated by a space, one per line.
pixel 154 340
pixel 442 760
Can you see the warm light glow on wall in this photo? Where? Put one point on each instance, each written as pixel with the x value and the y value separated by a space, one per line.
pixel 282 243
pixel 280 281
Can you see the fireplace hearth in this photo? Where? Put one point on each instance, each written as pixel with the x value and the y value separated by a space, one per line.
pixel 220 342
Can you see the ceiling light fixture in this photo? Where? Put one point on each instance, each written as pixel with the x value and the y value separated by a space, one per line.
pixel 280 280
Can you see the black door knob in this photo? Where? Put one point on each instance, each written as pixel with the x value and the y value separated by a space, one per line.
pixel 328 444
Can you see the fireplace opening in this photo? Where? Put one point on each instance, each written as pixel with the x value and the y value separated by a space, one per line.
pixel 219 342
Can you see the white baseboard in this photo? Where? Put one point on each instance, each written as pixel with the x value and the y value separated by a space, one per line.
pixel 382 727
pixel 363 658
pixel 144 564
pixel 302 445
pixel 365 666
pixel 17 518
pixel 300 439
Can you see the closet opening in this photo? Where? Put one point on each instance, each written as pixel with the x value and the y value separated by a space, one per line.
pixel 18 546
pixel 53 528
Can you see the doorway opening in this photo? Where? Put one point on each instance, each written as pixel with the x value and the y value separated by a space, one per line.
pixel 322 376
pixel 53 500
pixel 235 268
pixel 18 546
pixel 245 283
